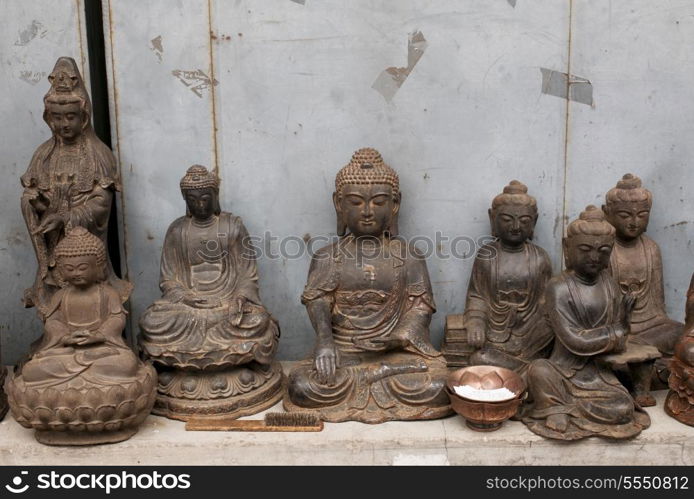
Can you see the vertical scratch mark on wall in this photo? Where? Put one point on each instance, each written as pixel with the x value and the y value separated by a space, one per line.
pixel 566 130
pixel 78 11
pixel 121 195
pixel 392 78
pixel 212 90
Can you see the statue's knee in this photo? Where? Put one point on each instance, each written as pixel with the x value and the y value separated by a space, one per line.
pixel 539 370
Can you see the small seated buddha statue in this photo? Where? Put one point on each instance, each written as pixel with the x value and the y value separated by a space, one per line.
pixel 637 267
pixel 680 400
pixel 83 385
pixel 209 336
pixel 370 303
pixel 573 393
pixel 504 322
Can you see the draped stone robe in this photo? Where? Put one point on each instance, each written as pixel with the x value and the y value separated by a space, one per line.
pixel 517 331
pixel 573 381
pixel 650 324
pixel 179 335
pixel 388 368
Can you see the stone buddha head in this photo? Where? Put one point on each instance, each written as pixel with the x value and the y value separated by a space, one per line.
pixel 367 196
pixel 200 189
pixel 513 215
pixel 81 258
pixel 588 243
pixel 67 109
pixel 628 207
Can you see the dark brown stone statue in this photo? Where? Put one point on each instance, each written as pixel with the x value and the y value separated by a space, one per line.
pixel 209 336
pixel 637 266
pixel 370 303
pixel 69 183
pixel 680 399
pixel 574 393
pixel 82 385
pixel 504 322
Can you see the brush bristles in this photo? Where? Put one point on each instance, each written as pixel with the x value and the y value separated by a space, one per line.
pixel 292 419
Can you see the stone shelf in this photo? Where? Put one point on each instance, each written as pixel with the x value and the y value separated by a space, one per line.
pixel 161 441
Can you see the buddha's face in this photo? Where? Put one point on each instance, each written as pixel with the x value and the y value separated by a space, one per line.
pixel 629 218
pixel 66 120
pixel 366 210
pixel 588 255
pixel 513 224
pixel 80 271
pixel 201 203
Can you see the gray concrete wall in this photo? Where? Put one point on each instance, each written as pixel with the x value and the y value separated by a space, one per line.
pixel 276 95
pixel 33 35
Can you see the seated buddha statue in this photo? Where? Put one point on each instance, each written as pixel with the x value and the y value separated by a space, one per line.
pixel 680 400
pixel 637 267
pixel 82 384
pixel 209 336
pixel 370 303
pixel 573 393
pixel 504 322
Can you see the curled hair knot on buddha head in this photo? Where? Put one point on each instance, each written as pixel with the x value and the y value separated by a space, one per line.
pixel 80 242
pixel 515 192
pixel 590 222
pixel 198 177
pixel 366 168
pixel 628 189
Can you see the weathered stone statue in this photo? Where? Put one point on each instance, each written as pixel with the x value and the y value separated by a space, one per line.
pixel 637 266
pixel 370 302
pixel 680 400
pixel 504 322
pixel 209 335
pixel 69 183
pixel 82 385
pixel 574 394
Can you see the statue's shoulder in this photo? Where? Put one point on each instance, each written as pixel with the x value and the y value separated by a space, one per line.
pixel 55 302
pixel 650 244
pixel 331 250
pixel 30 177
pixel 557 289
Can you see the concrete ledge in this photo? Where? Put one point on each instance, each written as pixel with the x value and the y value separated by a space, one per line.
pixel 161 441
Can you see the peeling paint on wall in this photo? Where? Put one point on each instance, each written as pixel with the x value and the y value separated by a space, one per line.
pixel 32 31
pixel 196 80
pixel 392 78
pixel 558 84
pixel 157 47
pixel 300 2
pixel 512 3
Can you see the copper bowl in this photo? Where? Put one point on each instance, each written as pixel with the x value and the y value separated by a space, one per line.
pixel 485 415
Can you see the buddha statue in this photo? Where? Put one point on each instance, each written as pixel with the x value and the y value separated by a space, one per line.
pixel 504 323
pixel 209 336
pixel 680 400
pixel 637 267
pixel 370 303
pixel 82 385
pixel 69 183
pixel 573 393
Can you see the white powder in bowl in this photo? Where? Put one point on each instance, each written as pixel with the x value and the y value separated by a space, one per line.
pixel 496 395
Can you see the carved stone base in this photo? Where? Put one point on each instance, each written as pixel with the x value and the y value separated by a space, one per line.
pixel 237 392
pixel 74 438
pixel 372 413
pixel 679 403
pixel 88 415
